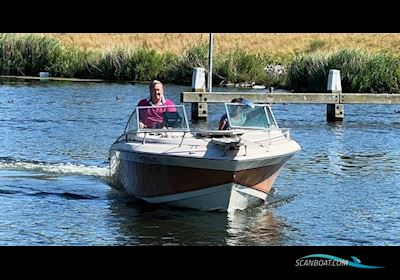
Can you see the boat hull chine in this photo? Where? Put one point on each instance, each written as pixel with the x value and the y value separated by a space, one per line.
pixel 198 188
pixel 223 198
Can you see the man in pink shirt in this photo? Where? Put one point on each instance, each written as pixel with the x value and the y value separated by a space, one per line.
pixel 153 117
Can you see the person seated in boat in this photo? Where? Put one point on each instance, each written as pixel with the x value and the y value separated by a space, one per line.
pixel 238 118
pixel 153 117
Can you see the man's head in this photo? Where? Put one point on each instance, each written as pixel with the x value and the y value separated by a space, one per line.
pixel 237 100
pixel 156 92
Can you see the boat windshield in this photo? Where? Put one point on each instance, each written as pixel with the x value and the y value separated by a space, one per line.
pixel 154 118
pixel 254 116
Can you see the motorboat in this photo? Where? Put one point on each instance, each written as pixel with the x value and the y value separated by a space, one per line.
pixel 211 170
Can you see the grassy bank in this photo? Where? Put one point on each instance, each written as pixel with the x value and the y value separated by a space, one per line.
pixel 368 62
pixel 276 44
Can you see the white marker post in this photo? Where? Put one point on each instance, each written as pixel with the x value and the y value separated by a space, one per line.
pixel 334 112
pixel 199 110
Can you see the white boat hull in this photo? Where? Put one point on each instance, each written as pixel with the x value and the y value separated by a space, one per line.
pixel 205 170
pixel 224 198
pixel 203 188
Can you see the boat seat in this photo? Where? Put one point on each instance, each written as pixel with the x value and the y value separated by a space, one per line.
pixel 172 119
pixel 218 133
pixel 231 142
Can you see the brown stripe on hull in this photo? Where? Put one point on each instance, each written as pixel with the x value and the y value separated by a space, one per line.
pixel 149 180
pixel 266 185
pixel 261 178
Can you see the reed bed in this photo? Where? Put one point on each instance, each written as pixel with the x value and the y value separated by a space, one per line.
pixel 368 62
pixel 279 44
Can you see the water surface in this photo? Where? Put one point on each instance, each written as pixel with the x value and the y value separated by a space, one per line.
pixel 341 189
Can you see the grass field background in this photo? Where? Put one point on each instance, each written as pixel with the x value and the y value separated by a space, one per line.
pixel 369 62
pixel 273 43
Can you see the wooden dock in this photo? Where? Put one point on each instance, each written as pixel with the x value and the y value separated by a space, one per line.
pixel 335 101
pixel 334 98
pixel 305 98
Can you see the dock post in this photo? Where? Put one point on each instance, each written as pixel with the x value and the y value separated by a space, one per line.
pixel 335 112
pixel 199 110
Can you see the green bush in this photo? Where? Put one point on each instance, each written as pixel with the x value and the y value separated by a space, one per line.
pixel 241 67
pixel 146 65
pixel 115 65
pixel 381 74
pixel 351 64
pixel 73 63
pixel 360 71
pixel 308 73
pixel 180 69
pixel 27 55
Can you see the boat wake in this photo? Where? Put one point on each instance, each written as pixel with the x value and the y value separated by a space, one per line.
pixel 10 163
pixel 275 200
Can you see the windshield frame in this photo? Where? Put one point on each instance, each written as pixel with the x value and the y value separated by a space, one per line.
pixel 133 122
pixel 271 122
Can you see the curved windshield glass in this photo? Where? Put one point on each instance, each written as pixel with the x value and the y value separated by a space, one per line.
pixel 146 118
pixel 256 116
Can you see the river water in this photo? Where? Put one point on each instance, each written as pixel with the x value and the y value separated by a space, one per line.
pixel 342 189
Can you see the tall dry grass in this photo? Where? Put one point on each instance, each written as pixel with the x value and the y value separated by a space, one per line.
pixel 276 44
pixel 368 62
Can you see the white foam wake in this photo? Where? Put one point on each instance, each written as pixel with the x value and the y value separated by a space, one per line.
pixel 58 168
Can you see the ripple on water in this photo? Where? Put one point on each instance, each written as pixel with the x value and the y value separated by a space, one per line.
pixel 341 189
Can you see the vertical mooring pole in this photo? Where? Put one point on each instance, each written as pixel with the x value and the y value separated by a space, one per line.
pixel 210 59
pixel 199 110
pixel 335 112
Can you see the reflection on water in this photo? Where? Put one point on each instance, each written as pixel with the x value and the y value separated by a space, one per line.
pixel 145 224
pixel 256 226
pixel 336 128
pixel 55 137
